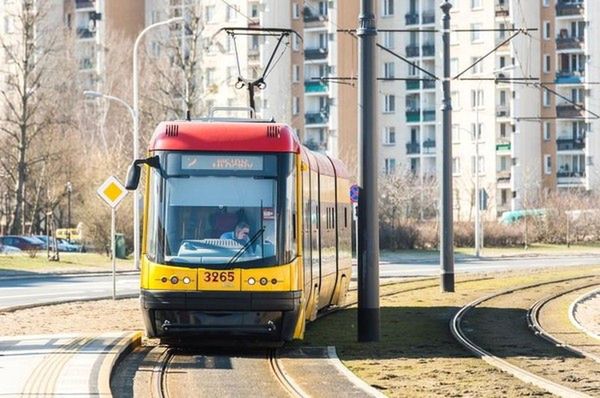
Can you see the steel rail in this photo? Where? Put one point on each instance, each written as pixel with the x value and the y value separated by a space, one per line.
pixel 293 389
pixel 533 315
pixel 520 373
pixel 575 321
pixel 158 380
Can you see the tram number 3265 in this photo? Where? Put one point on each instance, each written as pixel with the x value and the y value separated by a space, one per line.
pixel 224 276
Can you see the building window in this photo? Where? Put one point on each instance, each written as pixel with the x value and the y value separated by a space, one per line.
pixel 295 43
pixel 454 66
pixel 475 4
pixel 547 99
pixel 388 8
pixel 295 105
pixel 388 70
pixel 209 14
pixel 477 99
pixel 390 166
pixel 390 136
pixel 455 133
pixel 231 12
pixel 481 165
pixel 546 30
pixel 546 131
pixel 478 132
pixel 296 73
pixel 456 166
pixel 545 3
pixel 455 98
pixel 389 103
pixel 388 39
pixel 254 10
pixel 547 65
pixel 295 11
pixel 547 164
pixel 476 32
pixel 477 68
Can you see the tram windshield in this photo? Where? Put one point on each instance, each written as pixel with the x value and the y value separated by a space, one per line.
pixel 222 210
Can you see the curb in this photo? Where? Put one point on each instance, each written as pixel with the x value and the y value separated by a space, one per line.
pixel 75 300
pixel 573 307
pixel 352 378
pixel 123 348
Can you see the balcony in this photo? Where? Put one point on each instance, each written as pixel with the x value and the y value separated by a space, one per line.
pixel 413 116
pixel 413 148
pixel 502 10
pixel 412 18
pixel 316 53
pixel 84 33
pixel 503 147
pixel 413 84
pixel 316 118
pixel 85 64
pixel 428 84
pixel 569 43
pixel 570 174
pixel 428 50
pixel 429 115
pixel 570 144
pixel 83 4
pixel 315 87
pixel 503 112
pixel 311 16
pixel 428 18
pixel 569 77
pixel 503 175
pixel 568 111
pixel 412 50
pixel 566 9
pixel 429 146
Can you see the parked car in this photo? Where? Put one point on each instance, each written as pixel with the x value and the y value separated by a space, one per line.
pixel 5 249
pixel 22 242
pixel 70 246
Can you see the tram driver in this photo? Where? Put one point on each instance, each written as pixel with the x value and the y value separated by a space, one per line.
pixel 241 233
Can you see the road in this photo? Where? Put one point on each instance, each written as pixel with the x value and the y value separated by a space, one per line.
pixel 45 289
pixel 19 291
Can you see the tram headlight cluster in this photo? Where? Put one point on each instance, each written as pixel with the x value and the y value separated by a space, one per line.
pixel 262 281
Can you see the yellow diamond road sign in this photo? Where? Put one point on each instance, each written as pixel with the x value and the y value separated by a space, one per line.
pixel 112 191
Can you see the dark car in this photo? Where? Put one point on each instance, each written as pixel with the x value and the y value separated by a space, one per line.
pixel 22 242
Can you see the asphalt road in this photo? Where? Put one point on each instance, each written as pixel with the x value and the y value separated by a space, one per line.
pixel 18 291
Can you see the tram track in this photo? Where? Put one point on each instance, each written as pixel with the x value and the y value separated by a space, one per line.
pixel 533 321
pixel 159 373
pixel 518 370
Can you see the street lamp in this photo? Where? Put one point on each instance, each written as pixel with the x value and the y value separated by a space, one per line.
pixel 136 126
pixel 69 190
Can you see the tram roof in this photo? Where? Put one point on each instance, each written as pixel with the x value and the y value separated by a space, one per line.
pixel 224 136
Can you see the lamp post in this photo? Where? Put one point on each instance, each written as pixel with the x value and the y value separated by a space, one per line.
pixel 69 190
pixel 136 121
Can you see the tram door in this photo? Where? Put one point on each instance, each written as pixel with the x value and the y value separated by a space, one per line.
pixel 307 236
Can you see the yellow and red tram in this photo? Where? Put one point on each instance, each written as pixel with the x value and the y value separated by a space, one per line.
pixel 246 232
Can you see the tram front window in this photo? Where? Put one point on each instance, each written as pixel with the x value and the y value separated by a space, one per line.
pixel 219 210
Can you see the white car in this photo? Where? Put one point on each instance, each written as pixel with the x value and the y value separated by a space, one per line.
pixel 5 249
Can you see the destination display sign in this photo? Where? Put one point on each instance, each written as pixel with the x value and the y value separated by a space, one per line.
pixel 225 162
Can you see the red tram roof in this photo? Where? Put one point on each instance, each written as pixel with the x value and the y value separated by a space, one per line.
pixel 224 136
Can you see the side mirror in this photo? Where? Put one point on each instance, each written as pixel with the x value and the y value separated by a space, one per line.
pixel 134 172
pixel 133 176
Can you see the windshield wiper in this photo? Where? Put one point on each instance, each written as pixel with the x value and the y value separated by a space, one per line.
pixel 244 248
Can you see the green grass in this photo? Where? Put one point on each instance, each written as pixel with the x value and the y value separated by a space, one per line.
pixel 68 262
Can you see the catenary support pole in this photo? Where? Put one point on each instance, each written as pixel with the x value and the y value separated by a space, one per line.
pixel 447 236
pixel 368 225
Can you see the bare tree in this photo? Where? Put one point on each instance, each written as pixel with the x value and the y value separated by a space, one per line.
pixel 30 101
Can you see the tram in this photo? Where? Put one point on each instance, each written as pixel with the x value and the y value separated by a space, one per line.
pixel 246 232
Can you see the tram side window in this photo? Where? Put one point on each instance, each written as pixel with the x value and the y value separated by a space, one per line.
pixel 291 216
pixel 155 202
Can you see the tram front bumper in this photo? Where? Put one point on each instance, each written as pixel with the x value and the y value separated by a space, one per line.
pixel 268 315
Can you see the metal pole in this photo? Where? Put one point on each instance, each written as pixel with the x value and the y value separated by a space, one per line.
pixel 136 134
pixel 114 252
pixel 447 238
pixel 477 196
pixel 368 224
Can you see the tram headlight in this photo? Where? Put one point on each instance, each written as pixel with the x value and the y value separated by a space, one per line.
pixel 264 281
pixel 251 281
pixel 186 280
pixel 174 280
